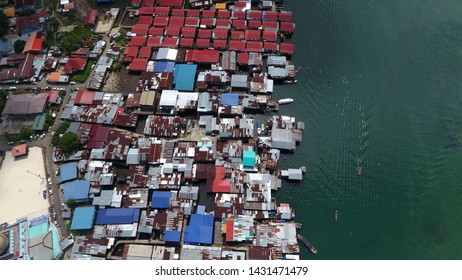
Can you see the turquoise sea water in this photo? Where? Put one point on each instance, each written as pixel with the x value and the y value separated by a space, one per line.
pixel 381 86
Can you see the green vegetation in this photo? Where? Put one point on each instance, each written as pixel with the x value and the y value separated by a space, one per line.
pixel 25 133
pixel 19 46
pixel 3 24
pixel 61 129
pixel 123 40
pixel 3 98
pixel 71 204
pixel 74 38
pixel 82 78
pixel 69 142
pixel 70 19
pixel 117 66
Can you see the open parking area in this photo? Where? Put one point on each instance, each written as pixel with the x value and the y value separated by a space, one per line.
pixel 22 182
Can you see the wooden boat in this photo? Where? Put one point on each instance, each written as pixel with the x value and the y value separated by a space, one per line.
pixel 336 215
pixel 289 81
pixel 307 243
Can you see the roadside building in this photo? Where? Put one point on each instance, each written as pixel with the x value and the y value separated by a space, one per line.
pixel 84 218
pixel 25 104
pixel 19 151
pixel 34 42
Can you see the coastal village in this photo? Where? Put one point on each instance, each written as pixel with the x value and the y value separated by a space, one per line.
pixel 149 130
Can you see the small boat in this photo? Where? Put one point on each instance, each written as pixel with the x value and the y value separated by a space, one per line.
pixel 336 215
pixel 359 169
pixel 285 101
pixel 289 81
pixel 307 243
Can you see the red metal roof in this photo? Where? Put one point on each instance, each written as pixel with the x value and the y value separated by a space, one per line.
pixel 224 14
pixel 254 14
pixel 254 24
pixel 177 12
pixel 220 44
pixel 91 17
pixel 239 24
pixel 156 31
pixel 145 52
pixel 19 150
pixel 225 23
pixel 146 10
pixel 203 43
pixel 221 33
pixel 138 64
pixel 230 230
pixel 254 35
pixel 254 46
pixel 176 21
pixel 203 56
pixel 136 2
pixel 155 41
pixel 170 3
pixel 285 16
pixel 170 42
pixel 220 185
pixel 270 35
pixel 98 136
pixel 171 31
pixel 270 46
pixel 75 64
pixel 140 29
pixel 271 25
pixel 192 21
pixel 240 4
pixel 193 13
pixel 236 45
pixel 137 41
pixel 238 15
pixel 148 3
pixel 237 35
pixel 287 27
pixel 270 15
pixel 243 58
pixel 208 22
pixel 162 11
pixel 286 48
pixel 34 42
pixel 189 32
pixel 204 33
pixel 84 97
pixel 147 20
pixel 160 21
pixel 130 53
pixel 208 13
pixel 186 42
pixel 53 96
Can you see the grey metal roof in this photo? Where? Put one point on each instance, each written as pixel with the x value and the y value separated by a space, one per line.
pixel 275 60
pixel 239 81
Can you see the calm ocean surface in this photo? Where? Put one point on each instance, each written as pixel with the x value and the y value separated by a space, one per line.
pixel 381 86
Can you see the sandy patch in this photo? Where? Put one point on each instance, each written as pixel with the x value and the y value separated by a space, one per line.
pixel 21 186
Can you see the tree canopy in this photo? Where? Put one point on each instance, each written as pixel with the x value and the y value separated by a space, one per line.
pixel 3 24
pixel 69 142
pixel 25 132
pixel 19 46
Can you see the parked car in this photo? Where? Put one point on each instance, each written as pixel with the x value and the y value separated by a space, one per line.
pixel 22 141
pixel 43 135
pixel 49 180
pixel 72 83
pixel 11 143
pixel 51 191
pixel 44 194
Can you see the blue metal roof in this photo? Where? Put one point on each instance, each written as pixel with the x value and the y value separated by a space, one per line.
pixel 117 216
pixel 249 158
pixel 184 76
pixel 200 230
pixel 230 99
pixel 67 172
pixel 200 209
pixel 172 236
pixel 83 218
pixel 164 66
pixel 160 199
pixel 76 190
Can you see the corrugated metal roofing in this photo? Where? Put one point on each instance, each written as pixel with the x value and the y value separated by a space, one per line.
pixel 171 31
pixel 270 35
pixel 286 48
pixel 156 31
pixel 270 46
pixel 223 23
pixel 285 16
pixel 145 10
pixel 160 21
pixel 237 35
pixel 208 22
pixel 203 43
pixel 67 172
pixel 117 216
pixel 138 41
pixel 186 42
pixel 155 41
pixel 254 46
pixel 193 13
pixel 204 33
pixel 184 76
pixel 200 230
pixel 83 218
pixel 287 27
pixel 161 199
pixel 145 20
pixel 220 44
pixel 161 11
pixel 192 21
pixel 254 24
pixel 170 3
pixel 172 236
pixel 138 64
pixel 140 29
pixel 203 56
pixel 224 14
pixel 208 13
pixel 177 21
pixel 254 35
pixel 239 15
pixel 189 32
pixel 177 12
pixel 145 52
pixel 235 45
pixel 170 42
pixel 271 25
pixel 230 99
pixel 76 190
pixel 220 33
pixel 239 24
